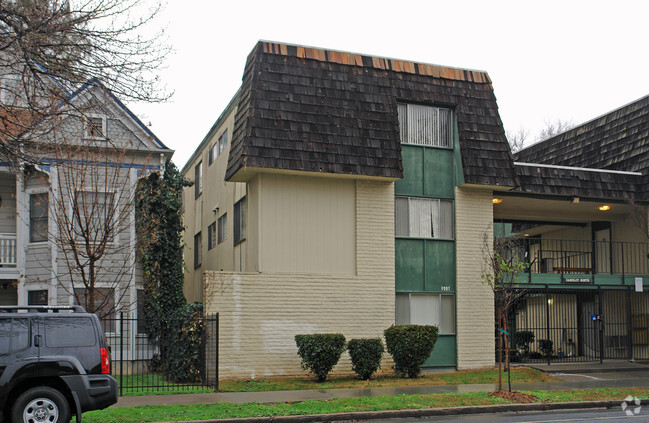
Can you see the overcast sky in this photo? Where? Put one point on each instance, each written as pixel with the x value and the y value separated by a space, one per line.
pixel 548 60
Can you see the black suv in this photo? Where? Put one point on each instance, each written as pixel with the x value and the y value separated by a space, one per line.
pixel 54 361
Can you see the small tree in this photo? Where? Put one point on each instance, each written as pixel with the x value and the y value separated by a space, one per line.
pixel 502 266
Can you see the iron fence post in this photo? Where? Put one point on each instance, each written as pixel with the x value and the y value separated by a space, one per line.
pixel 601 325
pixel 121 352
pixel 547 316
pixel 629 330
pixel 217 351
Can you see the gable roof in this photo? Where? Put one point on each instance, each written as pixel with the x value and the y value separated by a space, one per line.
pixel 618 140
pixel 316 110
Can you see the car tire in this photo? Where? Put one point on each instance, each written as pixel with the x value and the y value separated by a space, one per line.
pixel 41 404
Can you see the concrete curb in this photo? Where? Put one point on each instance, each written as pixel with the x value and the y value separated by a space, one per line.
pixel 423 412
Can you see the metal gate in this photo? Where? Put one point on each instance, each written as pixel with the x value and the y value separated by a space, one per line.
pixel 580 325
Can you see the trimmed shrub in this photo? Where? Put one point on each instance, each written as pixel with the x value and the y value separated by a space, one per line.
pixel 366 356
pixel 522 340
pixel 410 346
pixel 320 352
pixel 546 347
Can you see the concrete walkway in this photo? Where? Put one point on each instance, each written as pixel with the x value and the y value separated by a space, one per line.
pixel 613 374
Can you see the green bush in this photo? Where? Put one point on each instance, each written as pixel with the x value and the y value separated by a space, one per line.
pixel 522 341
pixel 320 352
pixel 546 347
pixel 410 346
pixel 366 356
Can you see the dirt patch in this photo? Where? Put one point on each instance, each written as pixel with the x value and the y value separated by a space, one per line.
pixel 514 396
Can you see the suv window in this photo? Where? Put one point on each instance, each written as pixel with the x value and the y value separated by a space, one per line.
pixel 69 332
pixel 16 331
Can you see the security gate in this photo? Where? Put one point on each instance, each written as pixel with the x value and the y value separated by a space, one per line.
pixel 580 325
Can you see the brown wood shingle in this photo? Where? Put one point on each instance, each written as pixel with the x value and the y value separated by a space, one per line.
pixel 314 110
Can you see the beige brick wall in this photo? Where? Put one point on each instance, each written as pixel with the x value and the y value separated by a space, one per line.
pixel 260 313
pixel 475 305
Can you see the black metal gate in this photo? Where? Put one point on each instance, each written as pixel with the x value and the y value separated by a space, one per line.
pixel 580 325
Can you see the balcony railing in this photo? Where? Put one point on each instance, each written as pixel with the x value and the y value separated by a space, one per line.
pixel 8 250
pixel 577 257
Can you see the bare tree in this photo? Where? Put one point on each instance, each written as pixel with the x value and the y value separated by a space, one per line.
pixel 517 139
pixel 554 127
pixel 503 263
pixel 49 48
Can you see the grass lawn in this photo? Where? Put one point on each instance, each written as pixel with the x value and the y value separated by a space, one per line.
pixel 519 374
pixel 171 413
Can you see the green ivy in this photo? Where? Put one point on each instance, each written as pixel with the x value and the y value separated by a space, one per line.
pixel 172 324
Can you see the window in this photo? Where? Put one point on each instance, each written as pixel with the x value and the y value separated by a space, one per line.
pixel 223 226
pixel 217 148
pixel 212 154
pixel 223 141
pixel 425 125
pixel 37 297
pixel 198 179
pixel 198 246
pixel 426 309
pixel 94 127
pixel 38 217
pixel 94 214
pixel 423 218
pixel 69 331
pixel 103 305
pixel 239 221
pixel 211 236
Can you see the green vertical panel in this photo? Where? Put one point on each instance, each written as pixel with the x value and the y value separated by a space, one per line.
pixel 412 158
pixel 440 266
pixel 409 266
pixel 457 156
pixel 444 354
pixel 438 173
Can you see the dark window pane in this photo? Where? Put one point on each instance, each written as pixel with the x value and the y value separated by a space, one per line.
pixel 69 332
pixel 37 297
pixel 38 216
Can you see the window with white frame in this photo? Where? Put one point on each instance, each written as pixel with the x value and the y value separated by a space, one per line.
pixel 94 216
pixel 426 309
pixel 425 125
pixel 198 179
pixel 423 217
pixel 37 297
pixel 211 236
pixel 223 226
pixel 223 141
pixel 239 221
pixel 94 127
pixel 101 302
pixel 38 216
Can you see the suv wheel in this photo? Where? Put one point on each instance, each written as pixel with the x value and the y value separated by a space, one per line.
pixel 41 404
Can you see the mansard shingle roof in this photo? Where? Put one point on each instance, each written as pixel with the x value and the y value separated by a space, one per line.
pixel 314 110
pixel 618 140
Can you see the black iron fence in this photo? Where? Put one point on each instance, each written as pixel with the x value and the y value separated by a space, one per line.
pixel 583 256
pixel 562 325
pixel 136 359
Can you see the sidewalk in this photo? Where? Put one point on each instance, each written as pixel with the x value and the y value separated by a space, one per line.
pixel 612 374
